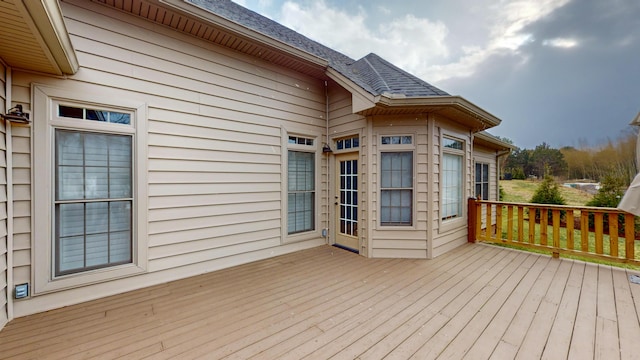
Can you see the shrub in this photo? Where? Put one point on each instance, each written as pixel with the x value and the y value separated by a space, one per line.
pixel 609 195
pixel 548 192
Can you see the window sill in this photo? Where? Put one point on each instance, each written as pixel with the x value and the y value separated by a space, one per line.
pixel 452 224
pixel 86 278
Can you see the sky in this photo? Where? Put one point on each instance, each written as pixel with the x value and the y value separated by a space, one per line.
pixel 564 72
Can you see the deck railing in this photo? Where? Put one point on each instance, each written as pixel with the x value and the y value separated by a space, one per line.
pixel 591 232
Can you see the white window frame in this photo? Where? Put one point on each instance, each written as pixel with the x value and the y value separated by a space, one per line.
pixel 315 149
pixel 458 221
pixel 390 148
pixel 481 182
pixel 46 120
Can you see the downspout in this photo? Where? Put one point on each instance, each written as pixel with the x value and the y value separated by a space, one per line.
pixel 9 189
pixel 328 197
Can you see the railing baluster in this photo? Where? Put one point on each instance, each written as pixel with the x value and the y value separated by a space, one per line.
pixel 488 221
pixel 498 222
pixel 532 226
pixel 613 235
pixel 584 230
pixel 520 223
pixel 556 232
pixel 598 222
pixel 544 226
pixel 629 236
pixel 509 223
pixel 570 231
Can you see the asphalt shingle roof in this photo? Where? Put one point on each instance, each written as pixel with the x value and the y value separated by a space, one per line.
pixel 372 73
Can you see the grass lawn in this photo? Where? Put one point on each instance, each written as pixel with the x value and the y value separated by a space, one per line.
pixel 521 191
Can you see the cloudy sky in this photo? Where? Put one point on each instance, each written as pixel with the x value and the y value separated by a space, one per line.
pixel 563 72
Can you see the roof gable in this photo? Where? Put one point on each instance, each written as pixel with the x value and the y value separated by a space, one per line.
pixel 372 73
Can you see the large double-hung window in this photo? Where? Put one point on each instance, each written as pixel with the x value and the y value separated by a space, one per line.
pixel 93 199
pixel 89 169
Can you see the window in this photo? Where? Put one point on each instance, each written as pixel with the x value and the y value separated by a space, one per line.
pixel 93 200
pixel 396 180
pixel 482 181
pixel 301 194
pixel 352 142
pixel 452 185
pixel 396 188
pixel 89 184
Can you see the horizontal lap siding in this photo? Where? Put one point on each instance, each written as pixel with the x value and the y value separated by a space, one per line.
pixel 3 206
pixel 399 241
pixel 215 149
pixel 215 158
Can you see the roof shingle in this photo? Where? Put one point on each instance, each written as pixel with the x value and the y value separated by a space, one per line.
pixel 372 73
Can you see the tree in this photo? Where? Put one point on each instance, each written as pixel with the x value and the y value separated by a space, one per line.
pixel 543 157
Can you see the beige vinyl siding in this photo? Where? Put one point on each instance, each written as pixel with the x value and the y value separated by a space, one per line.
pixel 449 235
pixel 4 291
pixel 215 146
pixel 400 241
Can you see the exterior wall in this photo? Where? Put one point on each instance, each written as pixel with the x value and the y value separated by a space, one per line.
pixel 4 292
pixel 451 233
pixel 216 134
pixel 400 241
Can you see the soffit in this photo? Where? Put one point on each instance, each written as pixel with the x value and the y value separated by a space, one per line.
pixel 20 46
pixel 210 28
pixel 34 37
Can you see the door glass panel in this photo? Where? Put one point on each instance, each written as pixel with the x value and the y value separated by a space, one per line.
pixel 349 197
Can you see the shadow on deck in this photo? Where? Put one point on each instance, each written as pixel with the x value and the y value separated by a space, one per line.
pixel 478 301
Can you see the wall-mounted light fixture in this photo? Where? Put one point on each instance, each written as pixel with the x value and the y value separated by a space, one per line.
pixel 326 148
pixel 16 115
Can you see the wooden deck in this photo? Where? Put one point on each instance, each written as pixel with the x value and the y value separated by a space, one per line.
pixel 477 302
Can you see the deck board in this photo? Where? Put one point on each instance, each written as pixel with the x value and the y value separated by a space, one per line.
pixel 476 302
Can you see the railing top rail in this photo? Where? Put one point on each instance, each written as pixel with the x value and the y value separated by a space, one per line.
pixel 559 207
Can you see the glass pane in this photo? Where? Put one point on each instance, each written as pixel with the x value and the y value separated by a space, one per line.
pixel 120 151
pixel 70 112
pixel 120 216
pixel 96 183
pixel 386 140
pixel 478 172
pixel 97 217
pixel 452 144
pixel 119 183
pixel 97 115
pixel 347 143
pixel 406 139
pixel 340 144
pixel 119 118
pixel 355 142
pixel 70 220
pixel 70 183
pixel 97 249
pixel 71 253
pixel 69 148
pixel 485 172
pixel 120 247
pixel 395 140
